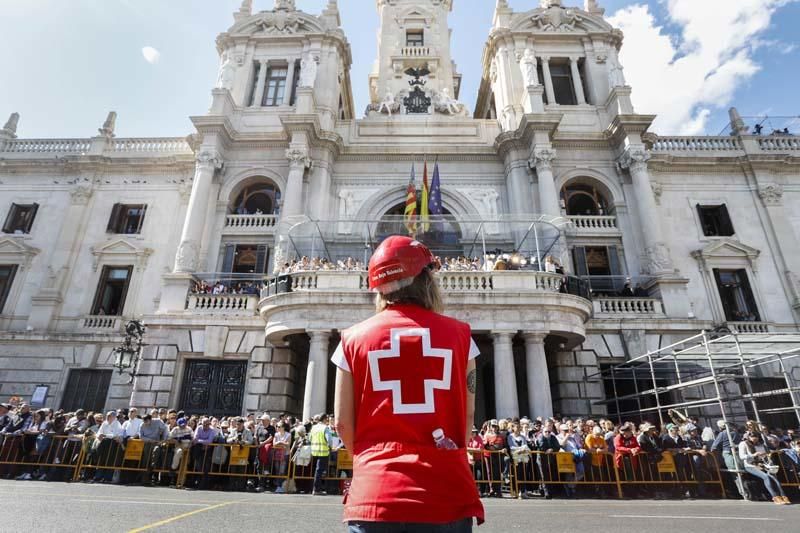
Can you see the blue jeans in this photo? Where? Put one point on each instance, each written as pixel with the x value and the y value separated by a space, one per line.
pixel 320 471
pixel 460 526
pixel 768 479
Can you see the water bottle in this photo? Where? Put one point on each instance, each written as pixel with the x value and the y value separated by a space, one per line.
pixel 442 442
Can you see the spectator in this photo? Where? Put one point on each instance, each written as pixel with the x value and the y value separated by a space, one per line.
pixel 202 450
pixel 756 462
pixel 109 440
pixel 626 451
pixel 320 438
pixel 494 443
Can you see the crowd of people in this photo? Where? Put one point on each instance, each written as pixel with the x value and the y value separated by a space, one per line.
pixel 32 442
pixel 315 264
pixel 227 287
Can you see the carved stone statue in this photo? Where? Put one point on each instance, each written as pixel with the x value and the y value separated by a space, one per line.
pixel 227 73
pixel 285 4
pixel 108 126
pixel 186 258
pixel 528 66
pixel 616 78
pixel 11 126
pixel 446 104
pixel 493 71
pixel 247 7
pixel 308 70
pixel 389 104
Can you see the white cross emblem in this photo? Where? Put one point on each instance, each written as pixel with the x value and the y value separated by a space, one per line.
pixel 394 386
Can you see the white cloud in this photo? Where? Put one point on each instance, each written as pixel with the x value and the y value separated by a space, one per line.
pixel 151 55
pixel 681 78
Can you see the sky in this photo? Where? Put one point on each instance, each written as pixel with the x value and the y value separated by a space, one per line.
pixel 67 63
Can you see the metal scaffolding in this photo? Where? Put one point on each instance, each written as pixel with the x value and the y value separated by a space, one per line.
pixel 709 360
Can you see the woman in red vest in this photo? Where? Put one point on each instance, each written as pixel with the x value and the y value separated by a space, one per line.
pixel 405 402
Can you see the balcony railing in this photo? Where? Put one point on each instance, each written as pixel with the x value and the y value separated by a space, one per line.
pixel 223 303
pixel 748 327
pixel 416 51
pixel 630 307
pixel 151 145
pixel 47 146
pixel 696 144
pixel 102 322
pixel 250 223
pixel 604 224
pixel 777 143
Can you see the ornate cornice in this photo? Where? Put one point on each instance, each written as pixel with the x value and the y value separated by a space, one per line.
pixel 634 159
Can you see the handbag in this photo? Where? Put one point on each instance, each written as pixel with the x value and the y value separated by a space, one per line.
pixel 302 457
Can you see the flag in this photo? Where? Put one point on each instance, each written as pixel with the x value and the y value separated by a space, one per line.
pixel 435 200
pixel 410 215
pixel 423 211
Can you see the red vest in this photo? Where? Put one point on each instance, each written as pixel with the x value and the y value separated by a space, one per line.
pixel 409 378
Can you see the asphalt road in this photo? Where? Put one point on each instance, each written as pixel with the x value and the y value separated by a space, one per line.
pixel 76 507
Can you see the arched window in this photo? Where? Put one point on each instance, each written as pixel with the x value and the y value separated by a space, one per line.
pixel 443 236
pixel 585 199
pixel 262 198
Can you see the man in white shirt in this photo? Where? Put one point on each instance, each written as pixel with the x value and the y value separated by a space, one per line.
pixel 108 452
pixel 132 426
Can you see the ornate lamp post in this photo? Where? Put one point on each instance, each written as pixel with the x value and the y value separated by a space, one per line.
pixel 129 353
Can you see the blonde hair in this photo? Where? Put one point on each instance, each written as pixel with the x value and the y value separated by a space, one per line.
pixel 423 291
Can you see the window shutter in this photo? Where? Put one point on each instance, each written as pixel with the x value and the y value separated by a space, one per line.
pixel 141 219
pixel 31 217
pixel 727 224
pixel 613 261
pixel 748 294
pixel 261 258
pixel 113 222
pixel 702 218
pixel 227 261
pixel 12 214
pixel 579 255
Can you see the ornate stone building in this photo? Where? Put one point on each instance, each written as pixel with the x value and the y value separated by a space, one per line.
pixel 104 229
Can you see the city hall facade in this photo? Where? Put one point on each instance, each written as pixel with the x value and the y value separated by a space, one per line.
pixel 673 235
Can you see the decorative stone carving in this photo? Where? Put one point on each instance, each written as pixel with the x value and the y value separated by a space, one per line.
pixel 635 159
pixel 600 59
pixel 81 194
pixel 279 21
pixel 186 258
pixel 486 199
pixel 298 157
pixel 308 70
pixel 447 105
pixel 542 159
pixel 246 8
pixel 493 71
pixel 657 259
pixel 227 73
pixel 556 18
pixel 287 5
pixel 527 65
pixel 209 158
pixel 389 105
pixel 616 77
pixel 11 125
pixel 108 126
pixel 658 189
pixel 771 194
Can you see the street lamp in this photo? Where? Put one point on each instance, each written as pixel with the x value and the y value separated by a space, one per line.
pixel 128 354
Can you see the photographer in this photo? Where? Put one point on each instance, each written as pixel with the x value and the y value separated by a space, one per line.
pixel 756 462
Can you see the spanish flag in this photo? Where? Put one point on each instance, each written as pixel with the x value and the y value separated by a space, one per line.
pixel 410 215
pixel 424 209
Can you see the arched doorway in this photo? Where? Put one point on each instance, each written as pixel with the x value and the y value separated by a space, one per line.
pixel 259 198
pixel 586 197
pixel 442 235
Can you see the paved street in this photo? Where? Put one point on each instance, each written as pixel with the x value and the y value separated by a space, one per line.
pixel 88 508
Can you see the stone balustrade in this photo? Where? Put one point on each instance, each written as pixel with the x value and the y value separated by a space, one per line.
pixel 416 51
pixel 606 224
pixel 631 307
pixel 748 327
pixel 250 223
pixel 101 322
pixel 696 144
pixel 223 303
pixel 46 146
pixel 151 145
pixel 777 143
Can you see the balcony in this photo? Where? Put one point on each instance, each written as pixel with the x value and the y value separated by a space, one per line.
pixel 748 327
pixel 416 51
pixel 250 224
pixel 222 304
pixel 102 323
pixel 627 308
pixel 595 225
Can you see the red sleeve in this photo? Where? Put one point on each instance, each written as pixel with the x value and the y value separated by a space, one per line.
pixel 618 446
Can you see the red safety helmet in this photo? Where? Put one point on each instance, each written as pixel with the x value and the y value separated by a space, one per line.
pixel 396 262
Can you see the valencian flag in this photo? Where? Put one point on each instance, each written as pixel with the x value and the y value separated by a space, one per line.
pixel 410 215
pixel 423 210
pixel 435 201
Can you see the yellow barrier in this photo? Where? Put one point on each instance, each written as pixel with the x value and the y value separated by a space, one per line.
pixel 488 467
pixel 54 457
pixel 545 470
pixel 234 465
pixel 672 469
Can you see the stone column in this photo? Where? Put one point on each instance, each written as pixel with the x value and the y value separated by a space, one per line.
pixel 299 161
pixel 258 96
pixel 540 402
pixel 187 258
pixel 577 82
pixel 657 260
pixel 771 195
pixel 316 393
pixel 505 380
pixel 287 95
pixel 542 161
pixel 548 80
pixel 519 191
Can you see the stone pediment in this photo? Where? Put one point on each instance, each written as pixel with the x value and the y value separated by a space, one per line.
pixel 17 252
pixel 727 248
pixel 121 251
pixel 558 19
pixel 280 22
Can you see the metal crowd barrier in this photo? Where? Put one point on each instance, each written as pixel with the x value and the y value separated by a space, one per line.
pixel 537 469
pixel 58 457
pixel 490 470
pixel 234 464
pixel 340 470
pixel 672 470
pixel 788 474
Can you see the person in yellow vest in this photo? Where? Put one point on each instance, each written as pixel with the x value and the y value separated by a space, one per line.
pixel 320 438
